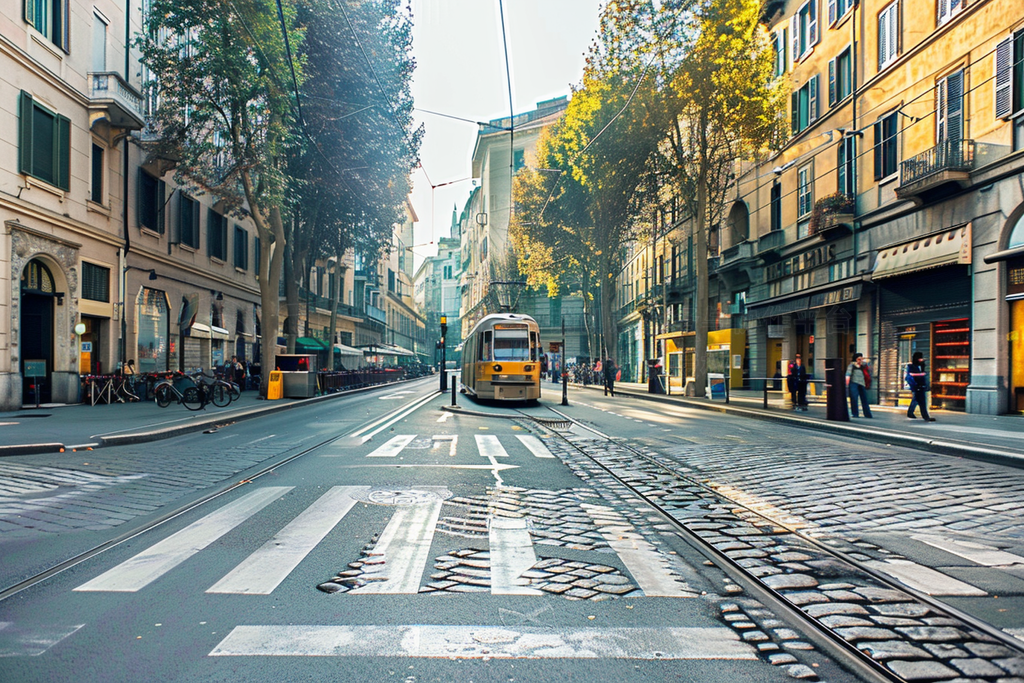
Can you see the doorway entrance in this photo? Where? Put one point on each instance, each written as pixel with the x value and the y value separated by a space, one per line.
pixel 37 299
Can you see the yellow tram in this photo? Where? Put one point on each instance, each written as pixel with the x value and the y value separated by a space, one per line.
pixel 501 358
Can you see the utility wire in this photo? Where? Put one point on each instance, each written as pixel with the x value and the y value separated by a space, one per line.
pixel 511 109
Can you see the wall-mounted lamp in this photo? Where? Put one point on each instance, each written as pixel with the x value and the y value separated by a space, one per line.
pixel 850 133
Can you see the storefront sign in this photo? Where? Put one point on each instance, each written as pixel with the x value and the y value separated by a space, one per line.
pixel 776 331
pixel 836 296
pixel 805 261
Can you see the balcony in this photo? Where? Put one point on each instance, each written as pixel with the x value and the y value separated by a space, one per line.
pixel 832 215
pixel 930 173
pixel 114 102
pixel 738 253
pixel 769 244
pixel 377 315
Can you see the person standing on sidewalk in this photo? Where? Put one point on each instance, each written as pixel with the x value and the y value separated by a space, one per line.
pixel 858 381
pixel 608 369
pixel 917 381
pixel 797 384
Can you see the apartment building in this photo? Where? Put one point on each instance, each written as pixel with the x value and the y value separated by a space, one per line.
pixel 890 221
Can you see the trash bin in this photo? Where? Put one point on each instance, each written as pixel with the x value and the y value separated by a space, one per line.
pixel 275 387
pixel 654 383
pixel 835 390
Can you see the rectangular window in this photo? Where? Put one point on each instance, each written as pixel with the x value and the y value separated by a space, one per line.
pixel 947 9
pixel 99 42
pixel 1009 69
pixel 518 160
pixel 805 191
pixel 781 40
pixel 44 140
pixel 846 165
pixel 150 202
pixel 52 19
pixel 95 282
pixel 96 185
pixel 840 77
pixel 804 103
pixel 241 248
pixel 885 146
pixel 256 254
pixel 803 29
pixel 949 108
pixel 888 35
pixel 838 8
pixel 216 235
pixel 188 221
pixel 776 206
pixel 391 280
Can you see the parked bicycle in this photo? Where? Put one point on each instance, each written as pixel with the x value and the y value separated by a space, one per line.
pixel 165 393
pixel 218 391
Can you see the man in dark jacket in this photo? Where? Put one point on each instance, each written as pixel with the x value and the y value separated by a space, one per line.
pixel 917 381
pixel 797 383
pixel 608 369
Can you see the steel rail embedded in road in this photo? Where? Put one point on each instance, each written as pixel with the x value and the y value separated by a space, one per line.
pixel 883 663
pixel 389 418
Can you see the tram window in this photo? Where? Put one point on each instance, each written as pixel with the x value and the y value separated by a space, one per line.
pixel 511 349
pixel 485 349
pixel 534 345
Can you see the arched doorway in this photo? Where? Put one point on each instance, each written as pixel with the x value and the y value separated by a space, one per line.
pixel 37 298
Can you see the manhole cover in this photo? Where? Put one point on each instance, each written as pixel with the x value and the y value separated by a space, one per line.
pixel 405 496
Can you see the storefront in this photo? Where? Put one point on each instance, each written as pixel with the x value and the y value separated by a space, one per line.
pixel 153 337
pixel 925 306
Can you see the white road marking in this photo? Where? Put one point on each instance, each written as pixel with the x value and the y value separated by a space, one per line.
pixel 452 438
pixel 975 552
pixel 149 565
pixel 924 579
pixel 489 446
pixel 18 642
pixel 405 546
pixel 392 447
pixel 535 445
pixel 475 642
pixel 444 417
pixel 397 394
pixel 265 569
pixel 649 567
pixel 511 555
pixel 383 423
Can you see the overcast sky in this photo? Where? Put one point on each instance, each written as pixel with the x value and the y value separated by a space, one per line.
pixel 461 71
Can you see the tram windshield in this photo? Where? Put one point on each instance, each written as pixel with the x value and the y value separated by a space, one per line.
pixel 512 349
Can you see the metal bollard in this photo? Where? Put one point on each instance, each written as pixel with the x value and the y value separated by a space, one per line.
pixel 454 404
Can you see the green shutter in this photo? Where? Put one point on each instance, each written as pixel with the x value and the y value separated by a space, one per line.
pixel 795 106
pixel 30 12
pixel 210 230
pixel 139 177
pixel 63 151
pixel 161 202
pixel 25 133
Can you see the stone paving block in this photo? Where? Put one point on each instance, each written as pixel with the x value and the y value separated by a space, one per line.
pixel 976 667
pixel 881 594
pixel 789 581
pixel 989 650
pixel 824 609
pixel 1011 665
pixel 922 671
pixel 800 598
pixel 786 634
pixel 843 621
pixel 934 634
pixel 801 672
pixel 902 609
pixel 754 637
pixel 857 633
pixel 894 649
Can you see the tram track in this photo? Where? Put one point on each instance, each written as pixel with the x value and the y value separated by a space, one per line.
pixel 360 434
pixel 884 629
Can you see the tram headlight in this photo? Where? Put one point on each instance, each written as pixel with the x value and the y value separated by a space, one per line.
pixel 527 368
pixel 496 368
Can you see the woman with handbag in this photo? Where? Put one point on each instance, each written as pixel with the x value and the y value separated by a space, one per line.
pixel 858 381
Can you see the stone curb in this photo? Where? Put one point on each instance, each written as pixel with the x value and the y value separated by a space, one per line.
pixel 178 430
pixel 880 435
pixel 458 410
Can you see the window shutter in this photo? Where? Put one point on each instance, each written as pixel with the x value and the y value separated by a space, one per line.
pixel 795 118
pixel 62 149
pixel 183 237
pixel 794 37
pixel 65 36
pixel 161 189
pixel 883 38
pixel 812 99
pixel 955 106
pixel 30 12
pixel 139 196
pixel 1004 79
pixel 940 110
pixel 211 244
pixel 25 133
pixel 894 30
pixel 812 23
pixel 831 82
pixel 831 12
pixel 195 224
pixel 943 11
pixel 878 149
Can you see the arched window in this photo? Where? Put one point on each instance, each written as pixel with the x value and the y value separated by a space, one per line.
pixel 739 224
pixel 1017 234
pixel 37 278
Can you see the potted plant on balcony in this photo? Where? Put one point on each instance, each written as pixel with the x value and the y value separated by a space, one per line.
pixel 830 212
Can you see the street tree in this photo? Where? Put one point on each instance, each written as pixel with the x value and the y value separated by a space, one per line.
pixel 226 115
pixel 722 104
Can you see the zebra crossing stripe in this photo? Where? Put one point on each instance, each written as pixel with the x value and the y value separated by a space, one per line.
pixel 511 555
pixel 16 641
pixel 489 446
pixel 648 566
pixel 392 447
pixel 405 547
pixel 493 642
pixel 535 445
pixel 149 565
pixel 265 569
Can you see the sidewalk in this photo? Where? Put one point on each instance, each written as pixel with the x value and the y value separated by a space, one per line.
pixel 996 438
pixel 65 427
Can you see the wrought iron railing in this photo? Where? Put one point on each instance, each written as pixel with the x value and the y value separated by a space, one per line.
pixel 948 155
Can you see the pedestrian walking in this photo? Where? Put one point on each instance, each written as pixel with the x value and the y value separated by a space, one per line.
pixel 238 373
pixel 797 383
pixel 608 369
pixel 917 381
pixel 858 381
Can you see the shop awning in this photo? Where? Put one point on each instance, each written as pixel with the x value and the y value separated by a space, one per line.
pixel 218 332
pixel 311 344
pixel 343 350
pixel 199 331
pixel 774 308
pixel 387 350
pixel 940 249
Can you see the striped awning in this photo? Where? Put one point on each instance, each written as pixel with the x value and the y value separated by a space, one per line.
pixel 938 249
